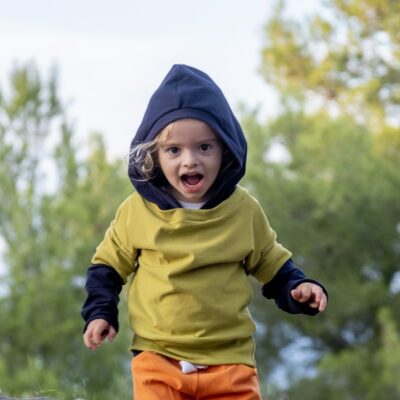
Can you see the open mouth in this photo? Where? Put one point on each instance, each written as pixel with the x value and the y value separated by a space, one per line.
pixel 191 180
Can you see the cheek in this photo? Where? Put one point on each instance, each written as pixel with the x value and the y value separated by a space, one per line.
pixel 166 166
pixel 162 161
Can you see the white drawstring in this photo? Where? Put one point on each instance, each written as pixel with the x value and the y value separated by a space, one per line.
pixel 188 367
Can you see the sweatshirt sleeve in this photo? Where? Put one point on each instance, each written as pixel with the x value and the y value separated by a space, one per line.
pixel 117 249
pixel 103 286
pixel 287 278
pixel 267 255
pixel 112 263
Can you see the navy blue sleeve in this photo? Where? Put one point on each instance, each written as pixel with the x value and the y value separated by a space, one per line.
pixel 103 286
pixel 280 286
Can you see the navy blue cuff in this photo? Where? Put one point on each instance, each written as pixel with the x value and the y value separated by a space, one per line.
pixel 103 286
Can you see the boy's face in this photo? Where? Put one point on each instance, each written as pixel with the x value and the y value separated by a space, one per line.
pixel 190 156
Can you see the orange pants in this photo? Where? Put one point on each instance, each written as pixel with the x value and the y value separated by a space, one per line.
pixel 156 377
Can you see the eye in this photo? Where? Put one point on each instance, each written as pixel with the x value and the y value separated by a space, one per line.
pixel 173 150
pixel 205 147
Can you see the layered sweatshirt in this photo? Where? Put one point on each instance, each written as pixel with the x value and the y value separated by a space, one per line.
pixel 189 294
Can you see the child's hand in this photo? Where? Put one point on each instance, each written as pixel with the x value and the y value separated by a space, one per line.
pixel 311 294
pixel 96 332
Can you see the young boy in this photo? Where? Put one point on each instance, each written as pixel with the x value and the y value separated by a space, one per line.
pixel 189 236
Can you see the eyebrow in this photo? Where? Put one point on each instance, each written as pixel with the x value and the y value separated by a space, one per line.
pixel 167 143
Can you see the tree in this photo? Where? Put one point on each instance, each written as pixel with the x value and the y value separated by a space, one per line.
pixel 334 204
pixel 56 204
pixel 333 196
pixel 346 57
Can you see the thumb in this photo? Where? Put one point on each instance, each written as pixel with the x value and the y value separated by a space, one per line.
pixel 111 334
pixel 296 294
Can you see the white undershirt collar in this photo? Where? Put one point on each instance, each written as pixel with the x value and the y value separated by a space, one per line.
pixel 192 206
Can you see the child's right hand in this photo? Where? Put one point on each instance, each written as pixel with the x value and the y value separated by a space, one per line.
pixel 96 332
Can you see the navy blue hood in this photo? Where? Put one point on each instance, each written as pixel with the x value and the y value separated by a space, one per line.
pixel 187 92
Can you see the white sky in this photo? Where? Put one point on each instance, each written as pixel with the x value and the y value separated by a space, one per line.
pixel 112 55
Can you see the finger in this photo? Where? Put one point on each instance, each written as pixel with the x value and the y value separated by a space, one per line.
pixel 111 334
pixel 319 302
pixel 323 303
pixel 296 294
pixel 314 304
pixel 318 297
pixel 305 293
pixel 87 340
pixel 99 334
pixel 315 297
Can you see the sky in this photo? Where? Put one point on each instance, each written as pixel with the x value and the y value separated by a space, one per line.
pixel 112 55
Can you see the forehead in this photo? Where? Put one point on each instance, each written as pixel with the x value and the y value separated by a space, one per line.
pixel 187 130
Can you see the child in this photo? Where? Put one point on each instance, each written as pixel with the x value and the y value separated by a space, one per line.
pixel 189 236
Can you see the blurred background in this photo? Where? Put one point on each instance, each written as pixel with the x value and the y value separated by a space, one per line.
pixel 316 87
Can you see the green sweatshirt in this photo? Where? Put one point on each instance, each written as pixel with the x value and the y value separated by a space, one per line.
pixel 189 291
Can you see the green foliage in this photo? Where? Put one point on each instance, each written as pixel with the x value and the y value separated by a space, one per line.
pixel 333 196
pixel 344 58
pixel 55 208
pixel 359 372
pixel 334 203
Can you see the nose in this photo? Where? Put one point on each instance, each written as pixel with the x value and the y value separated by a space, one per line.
pixel 189 159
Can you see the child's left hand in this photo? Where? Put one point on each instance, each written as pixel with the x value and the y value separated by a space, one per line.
pixel 311 294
